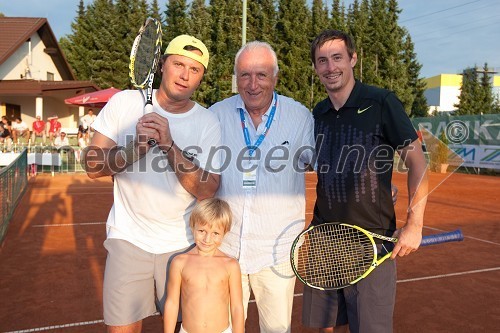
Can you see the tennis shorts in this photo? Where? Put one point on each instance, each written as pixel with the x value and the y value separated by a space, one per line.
pixel 134 282
pixel 227 330
pixel 367 306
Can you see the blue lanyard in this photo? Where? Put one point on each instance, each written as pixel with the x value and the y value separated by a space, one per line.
pixel 246 134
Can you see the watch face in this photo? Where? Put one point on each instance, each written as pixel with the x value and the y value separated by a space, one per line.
pixel 190 156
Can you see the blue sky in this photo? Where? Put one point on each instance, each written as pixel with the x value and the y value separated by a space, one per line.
pixel 449 35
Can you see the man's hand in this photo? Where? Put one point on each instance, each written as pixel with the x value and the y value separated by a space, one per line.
pixel 154 126
pixel 394 193
pixel 409 239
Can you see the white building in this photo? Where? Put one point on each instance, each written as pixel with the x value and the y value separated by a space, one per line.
pixel 443 90
pixel 35 77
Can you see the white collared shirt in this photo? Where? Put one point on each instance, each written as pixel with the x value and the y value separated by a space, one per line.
pixel 267 218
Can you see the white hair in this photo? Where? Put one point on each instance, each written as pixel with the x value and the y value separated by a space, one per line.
pixel 254 46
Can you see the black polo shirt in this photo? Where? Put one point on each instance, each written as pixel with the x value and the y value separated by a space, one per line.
pixel 355 147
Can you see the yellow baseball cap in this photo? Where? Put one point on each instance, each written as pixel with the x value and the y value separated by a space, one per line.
pixel 177 45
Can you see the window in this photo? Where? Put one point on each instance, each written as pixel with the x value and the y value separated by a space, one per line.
pixel 50 76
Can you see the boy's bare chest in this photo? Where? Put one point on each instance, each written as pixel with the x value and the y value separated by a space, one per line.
pixel 205 274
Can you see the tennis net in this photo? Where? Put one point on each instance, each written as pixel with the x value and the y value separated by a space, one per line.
pixel 13 184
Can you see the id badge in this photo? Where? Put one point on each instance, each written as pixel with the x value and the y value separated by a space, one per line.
pixel 250 179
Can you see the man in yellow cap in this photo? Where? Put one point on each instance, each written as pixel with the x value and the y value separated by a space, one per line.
pixel 155 188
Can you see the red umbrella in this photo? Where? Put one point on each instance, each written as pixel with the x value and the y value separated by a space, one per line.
pixel 96 99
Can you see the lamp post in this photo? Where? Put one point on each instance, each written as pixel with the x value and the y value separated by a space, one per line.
pixel 234 89
pixel 244 24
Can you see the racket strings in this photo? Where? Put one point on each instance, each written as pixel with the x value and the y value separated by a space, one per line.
pixel 145 53
pixel 333 256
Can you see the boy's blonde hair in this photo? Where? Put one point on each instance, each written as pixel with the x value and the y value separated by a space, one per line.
pixel 212 211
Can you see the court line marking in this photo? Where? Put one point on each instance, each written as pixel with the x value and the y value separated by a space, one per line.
pixel 69 193
pixel 449 274
pixel 47 328
pixel 85 323
pixel 65 224
pixel 470 237
pixel 72 187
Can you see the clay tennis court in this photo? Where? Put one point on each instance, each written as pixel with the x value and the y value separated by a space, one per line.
pixel 52 259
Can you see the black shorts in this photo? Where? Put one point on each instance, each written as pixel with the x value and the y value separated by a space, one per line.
pixel 367 306
pixel 85 130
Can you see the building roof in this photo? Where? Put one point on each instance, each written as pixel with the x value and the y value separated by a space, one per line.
pixel 14 31
pixel 35 87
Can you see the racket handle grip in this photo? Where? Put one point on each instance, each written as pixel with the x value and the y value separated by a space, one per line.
pixel 452 236
pixel 148 108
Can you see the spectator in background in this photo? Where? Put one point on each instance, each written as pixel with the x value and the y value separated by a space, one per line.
pixel 54 127
pixel 86 122
pixel 6 123
pixel 38 130
pixel 5 139
pixel 82 142
pixel 20 130
pixel 61 140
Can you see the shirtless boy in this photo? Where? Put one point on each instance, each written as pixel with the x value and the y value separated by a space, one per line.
pixel 205 281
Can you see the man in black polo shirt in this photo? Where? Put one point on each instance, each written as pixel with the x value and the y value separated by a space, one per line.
pixel 358 128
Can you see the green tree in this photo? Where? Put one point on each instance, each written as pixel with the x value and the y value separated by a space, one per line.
pixel 292 50
pixel 418 106
pixel 105 56
pixel 469 91
pixel 476 93
pixel 487 102
pixel 496 104
pixel 338 21
pixel 154 11
pixel 200 23
pixel 78 45
pixel 225 41
pixel 358 27
pixel 261 21
pixel 319 22
pixel 176 20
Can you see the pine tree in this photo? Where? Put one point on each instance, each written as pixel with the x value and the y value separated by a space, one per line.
pixel 338 21
pixel 486 104
pixel 154 11
pixel 261 21
pixel 200 23
pixel 105 55
pixel 77 45
pixel 396 69
pixel 319 22
pixel 176 20
pixel 469 91
pixel 357 26
pixel 225 41
pixel 293 54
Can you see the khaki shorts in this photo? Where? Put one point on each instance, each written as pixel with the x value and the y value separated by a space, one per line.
pixel 134 282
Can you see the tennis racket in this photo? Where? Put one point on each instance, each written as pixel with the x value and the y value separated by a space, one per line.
pixel 144 59
pixel 333 256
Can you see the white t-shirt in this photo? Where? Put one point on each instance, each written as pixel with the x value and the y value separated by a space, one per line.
pixel 151 208
pixel 267 217
pixel 21 127
pixel 88 120
pixel 60 142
